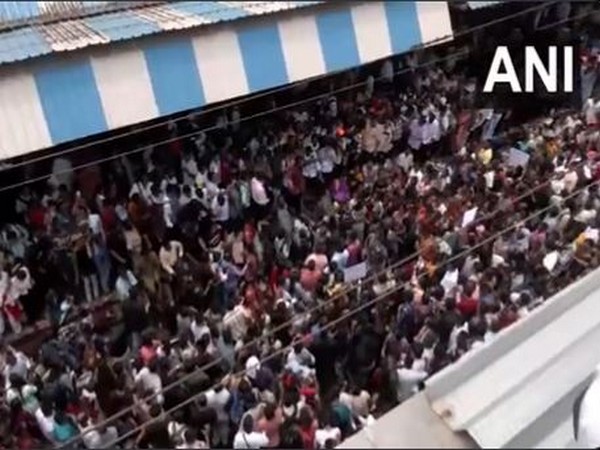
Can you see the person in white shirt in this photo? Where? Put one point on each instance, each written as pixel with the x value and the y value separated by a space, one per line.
pixel 259 207
pixel 150 381
pixel 409 379
pixel 415 138
pixel 190 168
pixel 327 160
pixel 310 166
pixel 125 283
pixel 570 179
pixel 62 173
pixel 246 437
pixel 435 128
pixel 204 180
pixel 220 208
pixel 14 239
pixel 384 133
pixel 387 71
pixel 258 192
pixel 214 169
pixel 44 417
pixel 100 437
pixel 168 213
pixel 17 363
pixel 191 440
pixel 187 195
pixel 20 283
pixel 430 136
pixel 218 399
pixel 12 289
pixel 170 254
pixel 428 132
pixel 447 120
pixel 237 321
pixel 300 361
pixel 328 436
pixel 340 257
pixel 406 161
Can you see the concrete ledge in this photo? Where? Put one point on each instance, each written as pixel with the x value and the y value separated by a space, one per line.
pixel 410 425
pixel 518 390
pixel 515 392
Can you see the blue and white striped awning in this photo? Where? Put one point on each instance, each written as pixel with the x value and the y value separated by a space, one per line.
pixel 61 99
pixel 88 25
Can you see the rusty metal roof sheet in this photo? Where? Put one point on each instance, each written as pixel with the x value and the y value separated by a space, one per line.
pixel 71 35
pixel 167 18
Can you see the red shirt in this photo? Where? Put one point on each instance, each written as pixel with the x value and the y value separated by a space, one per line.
pixel 109 218
pixel 468 306
pixel 310 394
pixel 225 172
pixel 309 279
pixel 294 180
pixel 274 277
pixel 37 217
pixel 354 253
pixel 308 436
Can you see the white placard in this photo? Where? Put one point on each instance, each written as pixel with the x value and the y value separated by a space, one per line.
pixel 550 260
pixel 517 157
pixel 355 272
pixel 468 217
pixel 489 179
pixel 587 172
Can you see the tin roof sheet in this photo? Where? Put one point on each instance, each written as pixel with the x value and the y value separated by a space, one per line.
pixel 167 18
pixel 24 43
pixel 35 28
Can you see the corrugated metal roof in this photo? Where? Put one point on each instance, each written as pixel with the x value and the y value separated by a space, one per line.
pixel 213 11
pixel 167 18
pixel 12 11
pixel 24 43
pixel 518 391
pixel 264 7
pixel 66 35
pixel 71 35
pixel 17 13
pixel 122 26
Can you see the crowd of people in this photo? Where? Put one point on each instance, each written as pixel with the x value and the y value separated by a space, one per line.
pixel 230 257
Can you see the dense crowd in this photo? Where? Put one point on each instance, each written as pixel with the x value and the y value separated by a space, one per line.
pixel 227 248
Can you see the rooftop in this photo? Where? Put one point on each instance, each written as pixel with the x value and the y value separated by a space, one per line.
pixel 33 29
